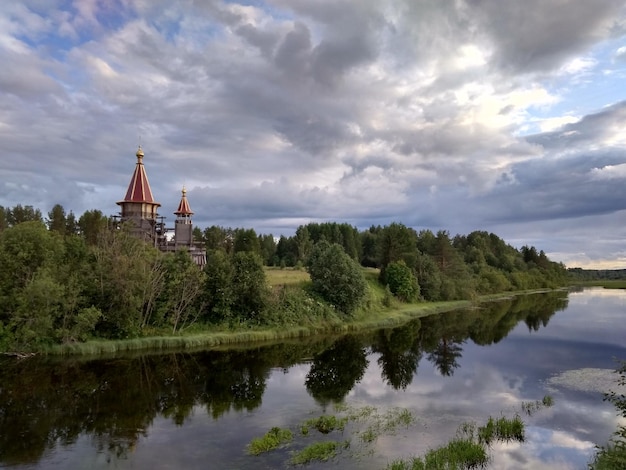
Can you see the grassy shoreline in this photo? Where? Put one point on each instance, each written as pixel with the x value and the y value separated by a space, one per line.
pixel 384 318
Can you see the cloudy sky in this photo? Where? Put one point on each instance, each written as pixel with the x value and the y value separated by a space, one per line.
pixel 501 115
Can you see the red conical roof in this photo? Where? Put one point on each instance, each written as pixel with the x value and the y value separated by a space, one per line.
pixel 183 207
pixel 139 187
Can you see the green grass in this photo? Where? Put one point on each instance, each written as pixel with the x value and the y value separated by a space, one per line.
pixel 468 449
pixel 270 441
pixel 457 454
pixel 320 451
pixel 502 429
pixel 325 424
pixel 286 276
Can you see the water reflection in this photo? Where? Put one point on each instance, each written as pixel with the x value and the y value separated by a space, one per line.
pixel 49 403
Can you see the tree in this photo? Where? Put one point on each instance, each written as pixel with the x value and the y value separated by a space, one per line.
pixel 428 277
pixel 396 242
pixel 182 288
pixel 4 223
pixel 246 240
pixel 91 224
pixel 20 214
pixel 218 293
pixel 401 281
pixel 122 267
pixel 287 251
pixel 57 219
pixel 219 238
pixel 249 286
pixel 268 249
pixel 337 277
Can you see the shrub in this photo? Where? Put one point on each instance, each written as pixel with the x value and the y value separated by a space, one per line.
pixel 401 281
pixel 337 277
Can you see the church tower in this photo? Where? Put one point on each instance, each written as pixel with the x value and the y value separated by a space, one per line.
pixel 183 228
pixel 139 208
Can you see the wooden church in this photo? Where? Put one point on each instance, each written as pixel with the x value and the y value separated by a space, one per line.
pixel 139 212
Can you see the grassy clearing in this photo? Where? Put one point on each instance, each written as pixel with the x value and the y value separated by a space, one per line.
pixel 286 277
pixel 270 441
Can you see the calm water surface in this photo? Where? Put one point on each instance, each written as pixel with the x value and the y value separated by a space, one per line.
pixel 200 410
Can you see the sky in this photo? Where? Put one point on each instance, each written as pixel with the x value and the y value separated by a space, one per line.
pixel 505 116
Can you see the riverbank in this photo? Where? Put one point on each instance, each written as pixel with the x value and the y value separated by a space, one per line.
pixel 383 318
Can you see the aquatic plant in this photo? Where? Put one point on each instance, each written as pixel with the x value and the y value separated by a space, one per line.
pixel 270 441
pixel 325 424
pixel 320 451
pixel 502 429
pixel 457 454
pixel 530 407
pixel 613 455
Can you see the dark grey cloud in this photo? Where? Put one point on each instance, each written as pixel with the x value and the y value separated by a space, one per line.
pixel 536 35
pixel 590 130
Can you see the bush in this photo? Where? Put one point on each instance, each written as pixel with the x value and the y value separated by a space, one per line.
pixel 337 277
pixel 401 281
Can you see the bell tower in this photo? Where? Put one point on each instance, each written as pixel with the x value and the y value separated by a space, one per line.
pixel 183 228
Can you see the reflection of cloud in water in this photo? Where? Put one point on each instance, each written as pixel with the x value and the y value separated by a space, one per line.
pixel 543 449
pixel 586 380
pixel 441 404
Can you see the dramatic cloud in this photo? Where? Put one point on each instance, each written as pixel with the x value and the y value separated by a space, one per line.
pixel 494 115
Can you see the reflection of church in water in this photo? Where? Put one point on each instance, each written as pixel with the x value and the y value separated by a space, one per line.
pixel 139 212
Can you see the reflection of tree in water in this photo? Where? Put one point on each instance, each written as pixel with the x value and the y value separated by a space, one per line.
pixel 48 402
pixel 399 354
pixel 335 371
pixel 445 356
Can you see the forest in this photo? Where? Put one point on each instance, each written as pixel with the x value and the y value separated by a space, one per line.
pixel 70 279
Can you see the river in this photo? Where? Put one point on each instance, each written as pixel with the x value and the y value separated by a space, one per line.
pixel 198 410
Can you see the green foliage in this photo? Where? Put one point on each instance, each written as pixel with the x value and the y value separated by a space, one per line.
pixel 396 242
pixel 246 240
pixel 401 281
pixel 20 214
pixel 182 290
pixel 270 441
pixel 337 277
pixel 249 287
pixel 320 451
pixel 326 424
pixel 235 288
pixel 92 224
pixel 502 429
pixel 218 293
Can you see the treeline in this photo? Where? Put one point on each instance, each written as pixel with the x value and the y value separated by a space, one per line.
pixel 67 279
pixel 580 274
